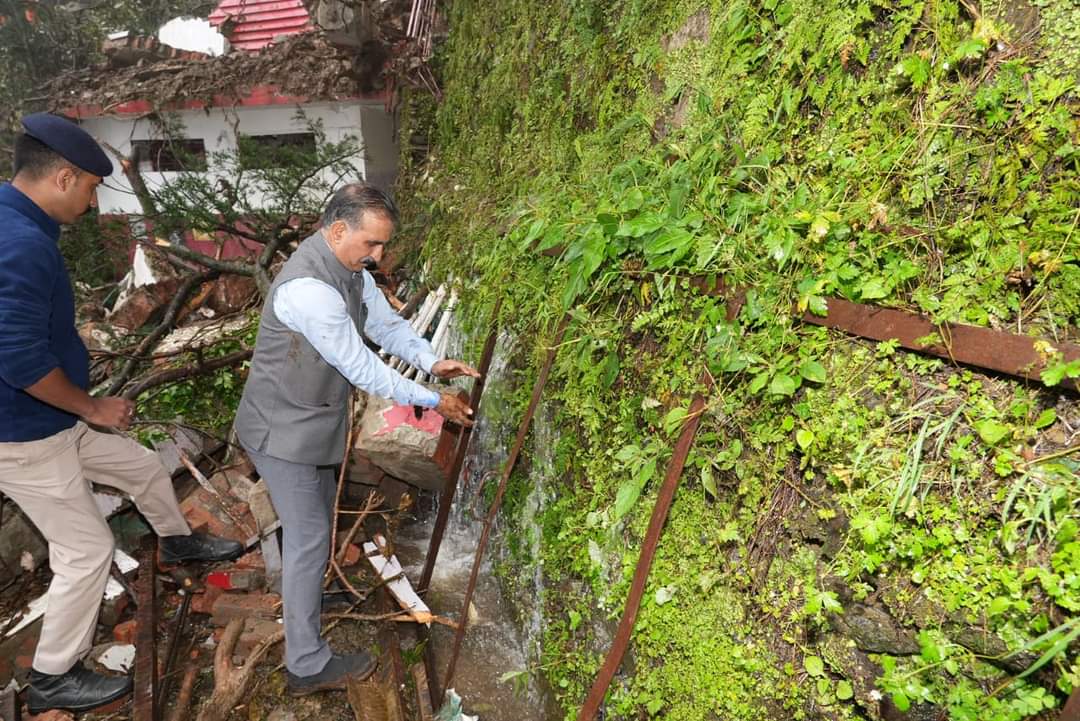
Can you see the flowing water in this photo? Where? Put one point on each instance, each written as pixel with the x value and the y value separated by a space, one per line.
pixel 502 637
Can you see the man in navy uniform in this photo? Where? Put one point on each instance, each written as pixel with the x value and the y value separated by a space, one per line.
pixel 49 454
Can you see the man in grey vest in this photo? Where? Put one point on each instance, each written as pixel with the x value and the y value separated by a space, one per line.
pixel 292 418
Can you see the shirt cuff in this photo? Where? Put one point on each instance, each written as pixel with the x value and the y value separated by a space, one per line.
pixel 430 399
pixel 425 360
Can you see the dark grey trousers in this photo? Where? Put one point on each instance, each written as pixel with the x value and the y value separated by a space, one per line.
pixel 303 497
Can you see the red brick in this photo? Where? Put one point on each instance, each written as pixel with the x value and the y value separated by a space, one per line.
pixel 252 560
pixel 204 602
pixel 52 715
pixel 245 605
pixel 234 579
pixel 353 554
pixel 125 632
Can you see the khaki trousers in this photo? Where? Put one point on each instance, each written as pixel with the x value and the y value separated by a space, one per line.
pixel 46 479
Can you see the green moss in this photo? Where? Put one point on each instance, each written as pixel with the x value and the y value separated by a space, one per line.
pixel 889 153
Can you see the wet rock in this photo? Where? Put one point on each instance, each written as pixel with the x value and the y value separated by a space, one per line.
pixel 917 712
pixel 875 631
pixel 856 667
pixel 696 27
pixel 418 450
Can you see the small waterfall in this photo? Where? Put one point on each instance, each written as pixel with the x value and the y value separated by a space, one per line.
pixel 504 634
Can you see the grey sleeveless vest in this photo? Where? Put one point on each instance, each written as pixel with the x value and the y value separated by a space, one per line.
pixel 294 403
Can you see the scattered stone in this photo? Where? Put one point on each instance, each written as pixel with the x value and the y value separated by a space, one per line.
pixel 280 714
pixel 875 631
pixel 113 606
pixel 18 537
pixel 53 715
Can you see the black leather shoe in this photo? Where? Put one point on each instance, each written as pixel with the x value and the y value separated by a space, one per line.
pixel 338 671
pixel 77 690
pixel 198 546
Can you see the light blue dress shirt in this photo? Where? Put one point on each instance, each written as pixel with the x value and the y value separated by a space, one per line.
pixel 315 310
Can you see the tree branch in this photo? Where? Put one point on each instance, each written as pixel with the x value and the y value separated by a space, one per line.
pixel 194 256
pixel 172 312
pixel 178 374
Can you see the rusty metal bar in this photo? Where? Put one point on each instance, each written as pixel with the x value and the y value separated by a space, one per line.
pixel 985 348
pixel 1071 712
pixel 174 645
pixel 447 498
pixel 445 502
pixel 648 551
pixel 145 703
pixel 508 467
pixel 388 636
pixel 994 350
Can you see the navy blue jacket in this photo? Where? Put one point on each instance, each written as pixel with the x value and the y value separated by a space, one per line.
pixel 37 320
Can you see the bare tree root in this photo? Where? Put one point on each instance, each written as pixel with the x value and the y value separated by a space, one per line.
pixel 231 682
pixel 183 698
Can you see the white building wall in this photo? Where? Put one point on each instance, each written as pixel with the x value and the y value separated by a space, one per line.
pixel 216 127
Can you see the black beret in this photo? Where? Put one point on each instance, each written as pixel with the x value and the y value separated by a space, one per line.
pixel 69 141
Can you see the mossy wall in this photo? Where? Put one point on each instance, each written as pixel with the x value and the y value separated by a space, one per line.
pixel 860 532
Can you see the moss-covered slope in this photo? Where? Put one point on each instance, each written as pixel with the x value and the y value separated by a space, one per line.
pixel 860 532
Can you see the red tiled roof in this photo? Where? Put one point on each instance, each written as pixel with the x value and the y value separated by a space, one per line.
pixel 258 22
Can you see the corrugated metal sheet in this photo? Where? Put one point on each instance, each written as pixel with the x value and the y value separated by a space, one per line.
pixel 256 23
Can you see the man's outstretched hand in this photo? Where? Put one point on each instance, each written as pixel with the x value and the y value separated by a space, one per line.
pixel 454 409
pixel 447 369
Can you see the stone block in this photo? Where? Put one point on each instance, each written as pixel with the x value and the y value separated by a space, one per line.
pixel 228 606
pixel 416 450
pixel 252 560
